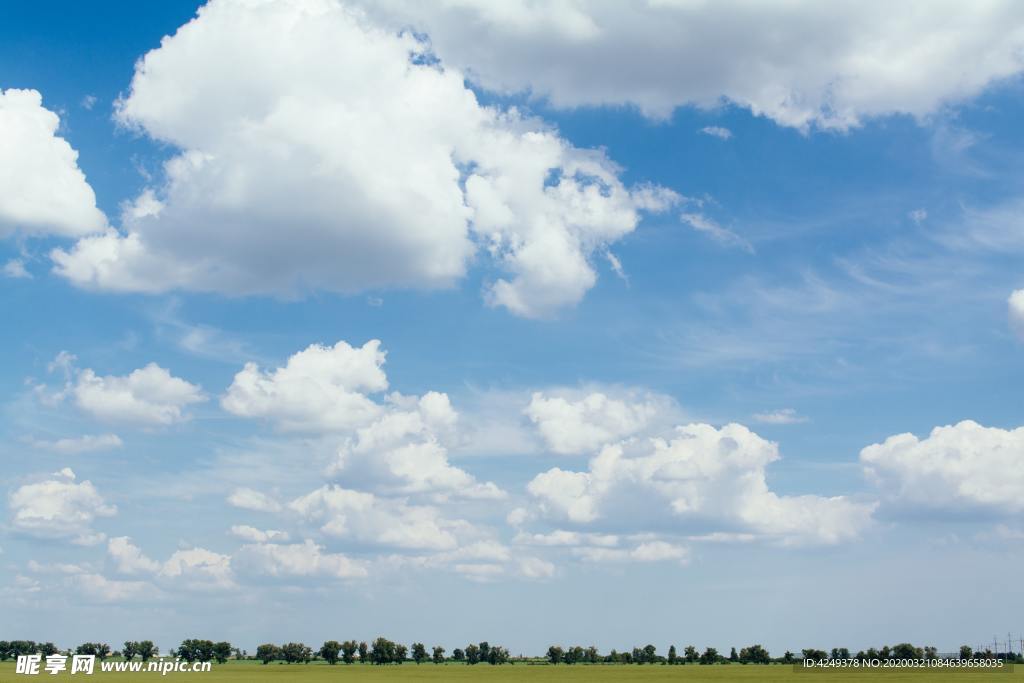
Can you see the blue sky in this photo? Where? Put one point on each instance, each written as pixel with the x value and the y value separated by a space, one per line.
pixel 652 328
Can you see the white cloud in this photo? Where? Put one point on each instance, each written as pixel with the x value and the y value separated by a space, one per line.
pixel 702 480
pixel 717 132
pixel 98 588
pixel 318 153
pixel 961 467
pixel 918 216
pixel 149 396
pixel 87 443
pixel 59 508
pixel 198 569
pixel 855 60
pixel 128 558
pixel 367 518
pixel 296 560
pixel 15 268
pixel 649 551
pixel 248 499
pixel 254 535
pixel 320 389
pixel 1015 305
pixel 712 229
pixel 563 537
pixel 784 416
pixel 573 422
pixel 42 190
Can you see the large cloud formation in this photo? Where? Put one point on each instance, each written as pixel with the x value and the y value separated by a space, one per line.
pixel 59 507
pixel 702 481
pixel 801 64
pixel 42 190
pixel 319 151
pixel 964 467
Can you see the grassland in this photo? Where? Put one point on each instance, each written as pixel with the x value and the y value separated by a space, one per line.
pixel 252 672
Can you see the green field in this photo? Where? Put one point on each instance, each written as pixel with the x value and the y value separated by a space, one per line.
pixel 242 672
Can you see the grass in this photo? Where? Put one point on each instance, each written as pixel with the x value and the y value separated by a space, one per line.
pixel 253 672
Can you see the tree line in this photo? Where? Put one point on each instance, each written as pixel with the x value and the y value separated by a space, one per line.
pixel 383 651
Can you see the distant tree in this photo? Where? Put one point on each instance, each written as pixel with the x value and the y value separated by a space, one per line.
pixel 222 651
pixel 48 649
pixel 555 654
pixel 128 651
pixel 672 657
pixel 907 651
pixel 931 652
pixel 788 657
pixel 383 652
pixel 5 650
pixel 329 651
pixel 458 655
pixel 485 651
pixel 885 652
pixel 814 655
pixel 438 654
pixel 966 652
pixel 419 653
pixel 710 656
pixel 472 654
pixel 650 654
pixel 733 657
pixel 400 653
pixel 294 653
pixel 268 652
pixel 496 654
pixel 363 652
pixel 690 654
pixel 146 650
pixel 755 654
pixel 348 651
pixel 839 653
pixel 592 655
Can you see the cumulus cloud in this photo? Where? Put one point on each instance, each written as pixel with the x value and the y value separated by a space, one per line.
pixel 702 480
pixel 42 190
pixel 59 507
pixel 1016 309
pixel 87 443
pixel 957 468
pixel 574 422
pixel 320 151
pixel 147 396
pixel 364 517
pixel 397 444
pixel 856 59
pixel 128 557
pixel 249 499
pixel 96 587
pixel 305 559
pixel 650 551
pixel 198 569
pixel 319 389
pixel 15 269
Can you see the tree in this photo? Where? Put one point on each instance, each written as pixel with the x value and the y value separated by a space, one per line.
pixel 907 651
pixel 128 651
pixel 268 652
pixel 363 652
pixel 965 652
pixel 5 650
pixel 672 658
pixel 592 655
pixel 146 650
pixel 840 653
pixel 815 655
pixel 294 653
pixel 472 654
pixel 485 651
pixel 329 651
pixel 222 651
pixel 788 657
pixel 733 657
pixel 555 654
pixel 755 654
pixel 438 654
pixel 400 653
pixel 419 653
pixel 710 656
pixel 458 655
pixel 348 651
pixel 496 654
pixel 690 654
pixel 383 652
pixel 650 654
